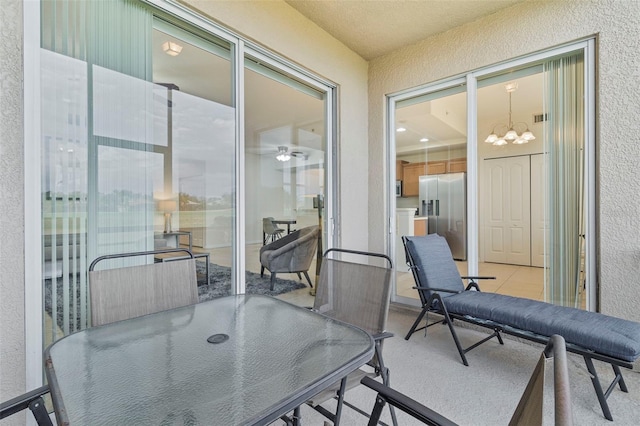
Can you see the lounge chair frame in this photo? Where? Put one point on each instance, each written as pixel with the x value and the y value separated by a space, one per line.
pixel 436 304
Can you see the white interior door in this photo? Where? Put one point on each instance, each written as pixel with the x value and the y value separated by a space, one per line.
pixel 508 215
pixel 538 224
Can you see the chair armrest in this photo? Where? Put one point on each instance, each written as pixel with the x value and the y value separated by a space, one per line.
pixel 381 336
pixel 444 290
pixel 24 401
pixel 473 284
pixel 406 404
pixel 478 278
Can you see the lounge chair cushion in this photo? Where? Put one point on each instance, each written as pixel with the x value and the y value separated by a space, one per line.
pixel 607 335
pixel 434 267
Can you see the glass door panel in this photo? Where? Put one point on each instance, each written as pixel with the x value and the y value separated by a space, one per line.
pixel 431 192
pixel 511 194
pixel 138 138
pixel 285 155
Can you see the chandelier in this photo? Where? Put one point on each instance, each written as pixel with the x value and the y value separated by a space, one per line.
pixel 282 154
pixel 513 133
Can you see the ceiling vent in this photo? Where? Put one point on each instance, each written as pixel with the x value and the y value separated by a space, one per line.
pixel 539 118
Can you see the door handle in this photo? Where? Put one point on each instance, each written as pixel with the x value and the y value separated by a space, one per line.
pixel 437 207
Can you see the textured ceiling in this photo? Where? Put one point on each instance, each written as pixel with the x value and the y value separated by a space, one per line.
pixel 374 28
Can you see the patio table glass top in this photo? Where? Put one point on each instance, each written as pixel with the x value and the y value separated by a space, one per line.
pixel 245 359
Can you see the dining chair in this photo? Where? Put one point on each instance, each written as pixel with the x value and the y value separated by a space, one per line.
pixel 121 293
pixel 353 289
pixel 270 230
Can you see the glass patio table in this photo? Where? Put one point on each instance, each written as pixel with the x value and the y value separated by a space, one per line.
pixel 245 359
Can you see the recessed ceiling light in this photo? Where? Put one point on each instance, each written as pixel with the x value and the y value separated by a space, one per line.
pixel 401 129
pixel 171 48
pixel 424 140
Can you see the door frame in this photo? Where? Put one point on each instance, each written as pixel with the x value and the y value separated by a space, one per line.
pixel 470 79
pixel 240 47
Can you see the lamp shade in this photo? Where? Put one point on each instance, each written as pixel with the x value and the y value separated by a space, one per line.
pixel 167 206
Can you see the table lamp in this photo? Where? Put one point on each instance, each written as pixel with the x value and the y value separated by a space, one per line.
pixel 168 207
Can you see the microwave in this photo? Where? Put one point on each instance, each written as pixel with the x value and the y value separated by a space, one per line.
pixel 398 188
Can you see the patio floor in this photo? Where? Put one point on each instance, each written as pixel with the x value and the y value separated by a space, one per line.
pixel 485 393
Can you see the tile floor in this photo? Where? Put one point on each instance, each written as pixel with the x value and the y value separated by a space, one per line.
pixel 513 280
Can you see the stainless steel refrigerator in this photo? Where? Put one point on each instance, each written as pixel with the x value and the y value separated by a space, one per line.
pixel 443 200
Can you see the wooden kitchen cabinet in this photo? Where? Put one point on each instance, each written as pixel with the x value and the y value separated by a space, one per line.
pixel 410 174
pixel 457 165
pixel 436 167
pixel 400 169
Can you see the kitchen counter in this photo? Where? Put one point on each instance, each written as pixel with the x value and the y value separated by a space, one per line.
pixel 407 224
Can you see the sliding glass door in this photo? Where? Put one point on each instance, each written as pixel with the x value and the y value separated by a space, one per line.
pixel 156 135
pixel 138 144
pixel 530 165
pixel 285 169
pixel 430 136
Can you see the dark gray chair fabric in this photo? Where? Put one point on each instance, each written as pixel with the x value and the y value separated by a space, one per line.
pixel 292 253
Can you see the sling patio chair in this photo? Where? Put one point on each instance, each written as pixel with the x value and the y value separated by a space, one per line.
pixel 357 293
pixel 122 293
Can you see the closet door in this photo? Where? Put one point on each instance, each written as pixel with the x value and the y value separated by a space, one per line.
pixel 508 217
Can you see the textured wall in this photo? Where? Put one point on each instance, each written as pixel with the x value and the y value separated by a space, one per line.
pixel 533 26
pixel 12 349
pixel 282 29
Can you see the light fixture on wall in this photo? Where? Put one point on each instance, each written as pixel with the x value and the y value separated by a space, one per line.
pixel 171 48
pixel 282 154
pixel 512 135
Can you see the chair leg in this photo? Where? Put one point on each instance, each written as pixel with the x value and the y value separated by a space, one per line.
pixel 417 322
pixel 386 380
pixel 602 396
pixel 447 318
pixel 273 280
pixel 343 385
pixel 39 411
pixel 377 411
pixel 306 274
pixel 262 271
pixel 299 277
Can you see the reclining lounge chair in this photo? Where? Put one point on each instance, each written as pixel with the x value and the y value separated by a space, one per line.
pixel 592 335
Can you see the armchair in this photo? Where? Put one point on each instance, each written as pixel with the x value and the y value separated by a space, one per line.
pixel 291 253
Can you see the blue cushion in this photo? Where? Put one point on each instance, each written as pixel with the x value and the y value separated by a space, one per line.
pixel 604 334
pixel 434 263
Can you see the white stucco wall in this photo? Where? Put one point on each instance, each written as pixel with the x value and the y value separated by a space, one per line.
pixel 283 30
pixel 12 345
pixel 533 26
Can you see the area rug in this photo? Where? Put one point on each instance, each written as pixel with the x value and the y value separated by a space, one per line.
pixel 220 283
